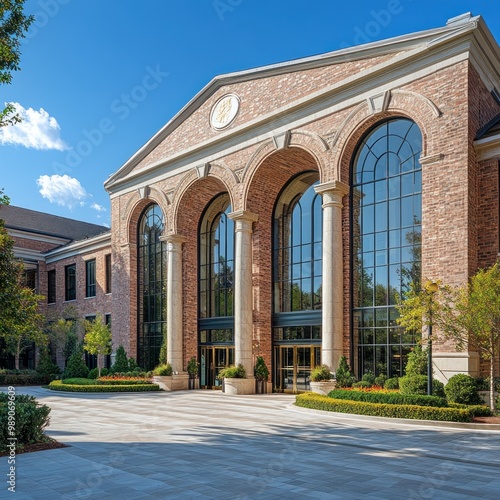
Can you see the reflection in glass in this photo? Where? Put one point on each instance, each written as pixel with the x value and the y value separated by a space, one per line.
pixel 386 206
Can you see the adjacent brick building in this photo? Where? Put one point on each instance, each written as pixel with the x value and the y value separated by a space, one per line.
pixel 283 210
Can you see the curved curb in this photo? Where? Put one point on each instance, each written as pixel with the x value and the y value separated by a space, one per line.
pixel 404 421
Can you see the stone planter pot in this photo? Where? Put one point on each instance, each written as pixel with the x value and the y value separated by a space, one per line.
pixel 194 383
pixel 177 382
pixel 323 387
pixel 260 386
pixel 238 386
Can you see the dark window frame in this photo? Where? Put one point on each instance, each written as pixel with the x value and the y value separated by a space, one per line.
pixel 90 278
pixel 107 261
pixel 70 282
pixel 51 286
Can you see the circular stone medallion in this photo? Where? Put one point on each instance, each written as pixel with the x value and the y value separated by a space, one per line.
pixel 224 111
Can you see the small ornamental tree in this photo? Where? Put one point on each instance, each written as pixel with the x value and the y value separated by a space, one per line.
pixel 471 316
pixel 97 339
pixel 343 375
pixel 121 364
pixel 76 367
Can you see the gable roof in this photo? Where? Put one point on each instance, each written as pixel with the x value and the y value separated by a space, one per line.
pixel 23 219
pixel 416 45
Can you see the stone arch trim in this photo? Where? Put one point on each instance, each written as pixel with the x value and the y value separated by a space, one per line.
pixel 405 103
pixel 220 172
pixel 137 203
pixel 310 142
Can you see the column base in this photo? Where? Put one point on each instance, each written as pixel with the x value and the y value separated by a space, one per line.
pixel 447 364
pixel 238 386
pixel 178 382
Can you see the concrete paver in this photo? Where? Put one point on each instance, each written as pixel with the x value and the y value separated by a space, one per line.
pixel 205 444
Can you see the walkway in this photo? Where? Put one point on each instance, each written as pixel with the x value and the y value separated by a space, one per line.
pixel 204 444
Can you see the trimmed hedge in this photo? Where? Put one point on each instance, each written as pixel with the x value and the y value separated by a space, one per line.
pixel 87 382
pixel 393 398
pixel 31 378
pixel 57 385
pixel 31 419
pixel 476 410
pixel 319 402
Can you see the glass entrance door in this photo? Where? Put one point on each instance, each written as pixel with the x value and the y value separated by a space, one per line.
pixel 293 365
pixel 212 361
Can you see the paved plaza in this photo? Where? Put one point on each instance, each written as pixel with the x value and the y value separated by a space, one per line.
pixel 205 444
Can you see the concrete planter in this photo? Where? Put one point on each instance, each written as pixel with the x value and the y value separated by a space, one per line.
pixel 179 382
pixel 323 387
pixel 238 386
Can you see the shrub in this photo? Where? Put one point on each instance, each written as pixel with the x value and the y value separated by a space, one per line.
pixel 192 367
pixel 31 420
pixel 46 367
pixel 57 385
pixel 362 384
pixel 369 378
pixel 462 389
pixel 417 384
pixel 387 398
pixel 321 373
pixel 417 362
pixel 343 375
pixel 261 369
pixel 76 367
pixel 380 380
pixel 163 370
pixel 121 362
pixel 232 372
pixel 392 383
pixel 319 402
pixel 24 377
pixel 476 410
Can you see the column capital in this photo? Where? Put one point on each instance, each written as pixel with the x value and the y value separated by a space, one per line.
pixel 244 215
pixel 332 192
pixel 173 238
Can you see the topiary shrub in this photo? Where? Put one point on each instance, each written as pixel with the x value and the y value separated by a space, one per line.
pixel 46 367
pixel 261 371
pixel 343 375
pixel 321 373
pixel 121 362
pixel 369 378
pixel 163 370
pixel 380 380
pixel 76 366
pixel 392 383
pixel 93 374
pixel 417 384
pixel 462 389
pixel 417 362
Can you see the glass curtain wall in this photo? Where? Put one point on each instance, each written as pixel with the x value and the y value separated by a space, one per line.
pixel 386 215
pixel 152 275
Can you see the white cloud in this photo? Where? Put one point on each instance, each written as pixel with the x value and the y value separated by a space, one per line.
pixel 62 190
pixel 37 130
pixel 98 207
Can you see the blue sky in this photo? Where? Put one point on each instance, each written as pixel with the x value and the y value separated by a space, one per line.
pixel 100 77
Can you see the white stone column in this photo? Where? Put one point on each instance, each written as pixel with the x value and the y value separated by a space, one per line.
pixel 174 300
pixel 333 275
pixel 243 293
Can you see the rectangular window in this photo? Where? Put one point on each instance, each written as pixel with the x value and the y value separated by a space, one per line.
pixel 70 277
pixel 90 281
pixel 51 288
pixel 108 273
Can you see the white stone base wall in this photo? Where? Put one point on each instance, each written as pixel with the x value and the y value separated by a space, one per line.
pixel 447 364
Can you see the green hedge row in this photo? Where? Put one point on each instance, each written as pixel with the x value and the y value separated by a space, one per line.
pixel 393 398
pixel 30 421
pixel 319 402
pixel 25 379
pixel 57 385
pixel 89 381
pixel 476 410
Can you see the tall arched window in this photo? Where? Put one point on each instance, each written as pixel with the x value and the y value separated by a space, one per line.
pixel 152 274
pixel 386 215
pixel 297 282
pixel 216 290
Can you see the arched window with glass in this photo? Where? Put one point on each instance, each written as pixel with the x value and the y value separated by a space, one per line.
pixel 152 275
pixel 216 290
pixel 297 282
pixel 386 215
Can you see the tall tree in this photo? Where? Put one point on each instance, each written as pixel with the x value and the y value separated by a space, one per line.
pixel 13 27
pixel 97 339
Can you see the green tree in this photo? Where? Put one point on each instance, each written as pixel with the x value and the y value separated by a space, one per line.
pixel 20 322
pixel 97 339
pixel 471 316
pixel 13 27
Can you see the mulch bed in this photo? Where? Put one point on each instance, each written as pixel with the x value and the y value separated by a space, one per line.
pixel 487 420
pixel 47 444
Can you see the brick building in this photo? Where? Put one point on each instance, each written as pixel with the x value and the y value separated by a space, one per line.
pixel 284 208
pixel 67 261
